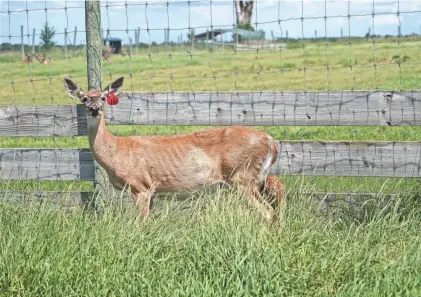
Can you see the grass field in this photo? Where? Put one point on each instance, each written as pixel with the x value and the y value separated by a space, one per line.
pixel 397 66
pixel 256 71
pixel 215 248
pixel 216 71
pixel 218 247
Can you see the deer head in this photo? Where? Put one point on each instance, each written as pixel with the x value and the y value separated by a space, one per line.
pixel 93 100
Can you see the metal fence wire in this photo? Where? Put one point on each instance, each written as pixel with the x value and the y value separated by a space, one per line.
pixel 199 49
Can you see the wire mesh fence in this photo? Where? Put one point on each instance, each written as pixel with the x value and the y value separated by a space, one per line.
pixel 289 46
pixel 214 46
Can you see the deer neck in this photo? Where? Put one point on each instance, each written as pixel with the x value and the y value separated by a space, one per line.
pixel 101 141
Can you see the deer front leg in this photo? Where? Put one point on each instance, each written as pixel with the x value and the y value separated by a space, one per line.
pixel 142 199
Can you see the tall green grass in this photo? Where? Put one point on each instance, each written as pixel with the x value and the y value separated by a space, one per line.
pixel 215 247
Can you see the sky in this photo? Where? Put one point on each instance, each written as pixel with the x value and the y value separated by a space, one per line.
pixel 179 16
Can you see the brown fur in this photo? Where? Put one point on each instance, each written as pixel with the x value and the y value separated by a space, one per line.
pixel 276 189
pixel 153 164
pixel 42 59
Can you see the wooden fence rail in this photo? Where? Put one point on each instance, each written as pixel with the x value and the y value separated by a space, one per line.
pixel 47 164
pixel 388 159
pixel 346 108
pixel 351 108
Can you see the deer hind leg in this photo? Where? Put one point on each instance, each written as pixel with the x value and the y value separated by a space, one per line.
pixel 256 201
pixel 274 191
pixel 274 188
pixel 142 198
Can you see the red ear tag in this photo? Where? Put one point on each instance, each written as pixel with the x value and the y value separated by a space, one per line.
pixel 112 99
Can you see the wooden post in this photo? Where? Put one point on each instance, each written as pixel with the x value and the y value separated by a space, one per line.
pixel 192 40
pixel 207 39
pixel 65 43
pixel 94 69
pixel 213 37
pixel 137 36
pixel 315 34
pixel 131 45
pixel 342 33
pixel 273 37
pixel 74 37
pixel 135 41
pixel 165 39
pixel 33 40
pixel 93 43
pixel 236 37
pixel 21 42
pixel 286 35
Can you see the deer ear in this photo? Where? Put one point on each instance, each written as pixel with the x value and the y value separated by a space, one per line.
pixel 113 87
pixel 73 89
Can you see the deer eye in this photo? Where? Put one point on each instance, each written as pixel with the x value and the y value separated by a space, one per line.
pixel 84 99
pixel 103 98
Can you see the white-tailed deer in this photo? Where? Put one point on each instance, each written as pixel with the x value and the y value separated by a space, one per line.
pixel 42 59
pixel 238 156
pixel 28 59
pixel 106 53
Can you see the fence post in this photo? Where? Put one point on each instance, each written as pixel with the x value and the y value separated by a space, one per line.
pixel 65 43
pixel 94 55
pixel 192 39
pixel 213 38
pixel 273 39
pixel 165 39
pixel 136 39
pixel 33 40
pixel 236 38
pixel 21 41
pixel 93 43
pixel 207 39
pixel 74 37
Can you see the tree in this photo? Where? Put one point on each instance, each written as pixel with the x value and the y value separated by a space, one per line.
pixel 47 35
pixel 244 10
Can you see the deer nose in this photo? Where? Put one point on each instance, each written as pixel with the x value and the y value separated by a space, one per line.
pixel 94 111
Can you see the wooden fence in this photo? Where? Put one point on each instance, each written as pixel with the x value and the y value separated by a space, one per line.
pixel 387 159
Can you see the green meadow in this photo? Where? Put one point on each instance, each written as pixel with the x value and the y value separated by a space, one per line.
pixel 216 245
pixel 314 66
